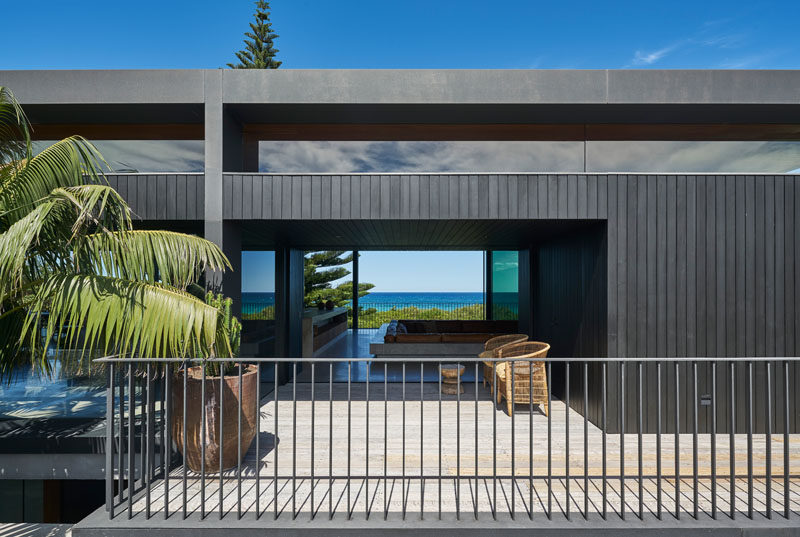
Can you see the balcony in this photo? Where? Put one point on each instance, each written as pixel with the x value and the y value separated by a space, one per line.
pixel 361 444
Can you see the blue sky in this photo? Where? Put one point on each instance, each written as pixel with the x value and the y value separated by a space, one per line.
pixel 407 271
pixel 425 34
pixel 90 34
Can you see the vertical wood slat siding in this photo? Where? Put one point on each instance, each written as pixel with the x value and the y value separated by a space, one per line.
pixel 161 196
pixel 698 265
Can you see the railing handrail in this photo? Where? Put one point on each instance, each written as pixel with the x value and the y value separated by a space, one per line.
pixel 450 359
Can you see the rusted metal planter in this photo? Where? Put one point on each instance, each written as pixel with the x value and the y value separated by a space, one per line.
pixel 230 417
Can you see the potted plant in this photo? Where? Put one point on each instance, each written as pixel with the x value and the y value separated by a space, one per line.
pixel 196 405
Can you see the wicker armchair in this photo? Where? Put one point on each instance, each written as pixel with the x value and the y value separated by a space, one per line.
pixel 491 346
pixel 523 373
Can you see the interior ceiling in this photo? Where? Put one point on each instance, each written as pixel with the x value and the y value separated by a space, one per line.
pixel 404 234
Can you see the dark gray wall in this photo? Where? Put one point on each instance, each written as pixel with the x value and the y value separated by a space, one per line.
pixel 178 196
pixel 699 265
pixel 418 197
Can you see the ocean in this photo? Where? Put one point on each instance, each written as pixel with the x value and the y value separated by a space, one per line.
pixel 381 301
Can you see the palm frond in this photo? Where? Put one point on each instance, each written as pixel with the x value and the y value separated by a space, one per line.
pixel 14 133
pixel 167 257
pixel 101 314
pixel 96 206
pixel 38 243
pixel 69 162
pixel 16 244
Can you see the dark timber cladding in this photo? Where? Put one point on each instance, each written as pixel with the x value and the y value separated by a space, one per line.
pixel 174 196
pixel 697 265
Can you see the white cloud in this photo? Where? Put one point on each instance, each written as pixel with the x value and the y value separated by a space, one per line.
pixel 419 157
pixel 649 58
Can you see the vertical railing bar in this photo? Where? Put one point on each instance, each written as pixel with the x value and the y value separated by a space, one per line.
pixel 421 443
pixel 143 401
pixel 162 401
pixel 750 439
pixel 494 440
pixel 786 505
pixel 203 425
pixel 148 454
pixel 122 440
pixel 512 371
pixel 330 441
pixel 258 438
pixel 294 440
pixel 639 427
pixel 530 440
pixel 769 439
pixel 677 443
pixel 476 441
pixel 110 440
pixel 695 491
pixel 731 436
pixel 586 440
pixel 183 434
pixel 658 441
pixel 131 439
pixel 622 440
pixel 604 397
pixel 239 451
pixel 714 440
pixel 366 447
pixel 349 435
pixel 440 442
pixel 566 434
pixel 549 441
pixel 167 450
pixel 313 376
pixel 221 435
pixel 385 438
pixel 275 442
pixel 458 441
pixel 403 478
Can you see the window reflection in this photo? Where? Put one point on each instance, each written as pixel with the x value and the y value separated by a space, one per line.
pixel 147 156
pixel 700 157
pixel 419 157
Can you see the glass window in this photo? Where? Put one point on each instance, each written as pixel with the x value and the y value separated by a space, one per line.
pixel 698 157
pixel 418 157
pixel 505 285
pixel 147 156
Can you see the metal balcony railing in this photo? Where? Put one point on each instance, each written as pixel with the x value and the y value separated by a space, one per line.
pixel 374 314
pixel 376 437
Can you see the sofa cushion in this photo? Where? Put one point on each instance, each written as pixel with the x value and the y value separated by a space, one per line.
pixel 449 327
pixel 479 327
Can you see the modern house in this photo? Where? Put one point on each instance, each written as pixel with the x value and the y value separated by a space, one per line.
pixel 653 216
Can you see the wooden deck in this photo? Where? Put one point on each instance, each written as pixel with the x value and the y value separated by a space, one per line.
pixel 405 446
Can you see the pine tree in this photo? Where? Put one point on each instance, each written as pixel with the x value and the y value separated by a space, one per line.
pixel 322 268
pixel 259 52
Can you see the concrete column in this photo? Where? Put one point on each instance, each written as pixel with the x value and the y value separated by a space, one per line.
pixel 223 152
pixel 212 86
